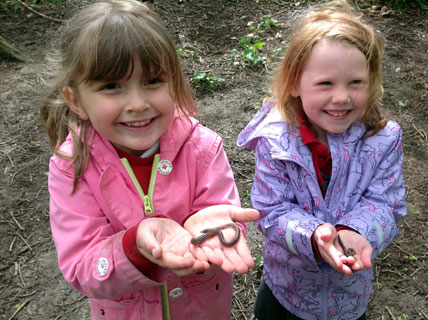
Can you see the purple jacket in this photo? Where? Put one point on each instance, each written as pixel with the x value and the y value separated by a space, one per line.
pixel 366 193
pixel 88 226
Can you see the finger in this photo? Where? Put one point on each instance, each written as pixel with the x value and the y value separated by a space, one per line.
pixel 233 257
pixel 157 252
pixel 212 256
pixel 366 257
pixel 227 265
pixel 243 214
pixel 173 261
pixel 326 234
pixel 335 256
pixel 346 270
pixel 245 253
pixel 198 253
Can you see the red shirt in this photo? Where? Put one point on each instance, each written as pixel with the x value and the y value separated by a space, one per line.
pixel 320 154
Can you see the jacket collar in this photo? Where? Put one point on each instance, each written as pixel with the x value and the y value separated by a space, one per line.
pixel 285 141
pixel 103 152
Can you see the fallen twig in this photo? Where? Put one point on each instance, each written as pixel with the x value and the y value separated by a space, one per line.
pixel 390 313
pixel 16 221
pixel 25 241
pixel 20 276
pixel 11 244
pixel 26 6
pixel 19 309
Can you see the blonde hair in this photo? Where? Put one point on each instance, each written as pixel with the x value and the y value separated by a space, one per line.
pixel 98 44
pixel 337 21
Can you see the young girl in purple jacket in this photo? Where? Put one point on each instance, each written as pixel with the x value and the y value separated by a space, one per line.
pixel 328 181
pixel 135 181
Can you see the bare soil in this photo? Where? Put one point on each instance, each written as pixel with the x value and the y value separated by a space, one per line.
pixel 31 286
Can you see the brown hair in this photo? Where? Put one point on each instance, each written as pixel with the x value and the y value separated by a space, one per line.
pixel 97 44
pixel 338 21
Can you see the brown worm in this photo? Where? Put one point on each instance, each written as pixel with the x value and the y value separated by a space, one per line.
pixel 349 252
pixel 211 232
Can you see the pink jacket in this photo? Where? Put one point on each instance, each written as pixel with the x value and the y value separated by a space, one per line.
pixel 88 226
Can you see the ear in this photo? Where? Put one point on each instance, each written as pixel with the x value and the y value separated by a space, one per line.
pixel 71 98
pixel 295 91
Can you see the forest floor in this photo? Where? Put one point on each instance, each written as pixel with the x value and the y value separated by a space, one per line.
pixel 206 33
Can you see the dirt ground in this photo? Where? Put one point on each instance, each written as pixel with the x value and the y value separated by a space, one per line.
pixel 207 32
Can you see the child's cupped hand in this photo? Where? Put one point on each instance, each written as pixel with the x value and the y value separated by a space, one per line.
pixel 167 244
pixel 230 258
pixel 325 237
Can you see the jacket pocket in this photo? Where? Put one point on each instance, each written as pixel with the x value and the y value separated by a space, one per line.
pixel 210 294
pixel 116 310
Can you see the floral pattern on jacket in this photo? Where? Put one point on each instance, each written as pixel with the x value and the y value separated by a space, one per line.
pixel 366 193
pixel 88 226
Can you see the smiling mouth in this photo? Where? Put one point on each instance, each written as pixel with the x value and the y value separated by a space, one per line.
pixel 337 113
pixel 135 124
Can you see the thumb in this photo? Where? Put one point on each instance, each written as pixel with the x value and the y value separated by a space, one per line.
pixel 147 241
pixel 366 257
pixel 327 234
pixel 244 214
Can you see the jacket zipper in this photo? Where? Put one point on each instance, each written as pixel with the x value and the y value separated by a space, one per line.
pixel 147 198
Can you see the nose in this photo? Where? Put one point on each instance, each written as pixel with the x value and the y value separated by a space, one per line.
pixel 341 96
pixel 137 101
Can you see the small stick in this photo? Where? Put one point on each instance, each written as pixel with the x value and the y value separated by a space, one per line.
pixel 20 276
pixel 16 221
pixel 390 313
pixel 19 309
pixel 38 13
pixel 25 241
pixel 11 244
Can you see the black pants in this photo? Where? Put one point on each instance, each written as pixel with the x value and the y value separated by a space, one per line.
pixel 267 307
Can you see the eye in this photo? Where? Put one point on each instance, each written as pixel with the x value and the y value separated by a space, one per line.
pixel 110 86
pixel 356 82
pixel 324 83
pixel 153 81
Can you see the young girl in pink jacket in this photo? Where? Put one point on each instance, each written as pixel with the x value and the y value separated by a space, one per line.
pixel 142 197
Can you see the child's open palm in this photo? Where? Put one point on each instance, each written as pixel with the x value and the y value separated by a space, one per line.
pixel 166 243
pixel 230 258
pixel 326 237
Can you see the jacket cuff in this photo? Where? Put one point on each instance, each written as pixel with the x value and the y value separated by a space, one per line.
pixel 187 217
pixel 343 227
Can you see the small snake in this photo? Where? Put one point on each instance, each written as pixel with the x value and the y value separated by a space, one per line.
pixel 211 232
pixel 349 252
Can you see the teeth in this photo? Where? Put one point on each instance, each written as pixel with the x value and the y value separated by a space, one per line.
pixel 337 113
pixel 137 124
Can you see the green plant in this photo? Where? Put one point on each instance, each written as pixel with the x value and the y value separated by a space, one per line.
pixel 403 317
pixel 266 22
pixel 205 79
pixel 258 263
pixel 186 53
pixel 250 55
pixel 399 4
pixel 249 40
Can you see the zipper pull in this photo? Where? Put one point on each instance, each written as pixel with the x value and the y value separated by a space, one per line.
pixel 148 208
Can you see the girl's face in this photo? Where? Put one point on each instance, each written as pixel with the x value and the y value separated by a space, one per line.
pixel 333 87
pixel 131 113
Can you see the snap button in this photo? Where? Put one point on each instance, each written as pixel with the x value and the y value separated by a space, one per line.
pixel 102 266
pixel 164 167
pixel 175 293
